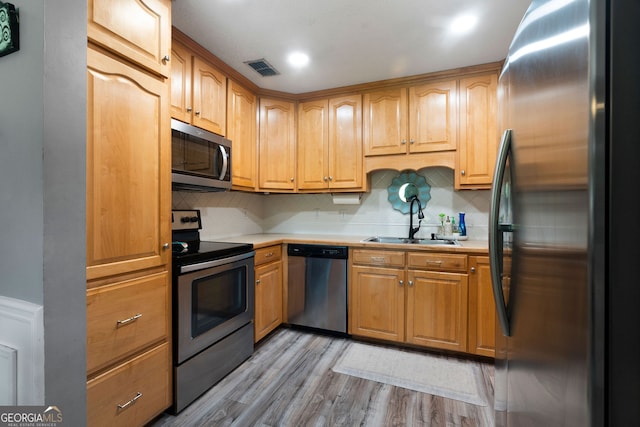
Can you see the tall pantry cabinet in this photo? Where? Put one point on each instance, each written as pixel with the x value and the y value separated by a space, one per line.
pixel 128 211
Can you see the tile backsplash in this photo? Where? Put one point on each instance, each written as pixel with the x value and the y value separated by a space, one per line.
pixel 228 214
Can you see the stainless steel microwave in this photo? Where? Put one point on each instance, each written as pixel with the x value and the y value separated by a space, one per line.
pixel 200 160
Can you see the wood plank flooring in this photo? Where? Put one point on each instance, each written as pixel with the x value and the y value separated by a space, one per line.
pixel 289 382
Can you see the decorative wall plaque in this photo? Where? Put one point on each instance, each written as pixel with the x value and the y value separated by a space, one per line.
pixel 9 29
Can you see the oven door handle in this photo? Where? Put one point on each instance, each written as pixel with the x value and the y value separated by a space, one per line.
pixel 215 263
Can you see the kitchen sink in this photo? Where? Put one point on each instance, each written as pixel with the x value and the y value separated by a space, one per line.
pixel 404 240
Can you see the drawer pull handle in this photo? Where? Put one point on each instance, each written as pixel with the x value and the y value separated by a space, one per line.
pixel 377 258
pixel 127 321
pixel 438 262
pixel 270 254
pixel 129 403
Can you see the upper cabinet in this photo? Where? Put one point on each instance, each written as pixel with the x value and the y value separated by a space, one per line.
pixel 329 144
pixel 411 128
pixel 198 91
pixel 147 43
pixel 242 108
pixel 277 145
pixel 433 117
pixel 385 122
pixel 478 143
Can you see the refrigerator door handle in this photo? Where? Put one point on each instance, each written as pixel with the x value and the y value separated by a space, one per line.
pixel 495 234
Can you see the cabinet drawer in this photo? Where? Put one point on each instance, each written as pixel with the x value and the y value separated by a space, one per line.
pixel 125 317
pixel 132 393
pixel 437 261
pixel 372 257
pixel 268 254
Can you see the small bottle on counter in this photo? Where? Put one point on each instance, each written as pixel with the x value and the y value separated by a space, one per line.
pixel 447 227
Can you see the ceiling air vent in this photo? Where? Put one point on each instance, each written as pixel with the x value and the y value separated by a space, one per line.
pixel 262 67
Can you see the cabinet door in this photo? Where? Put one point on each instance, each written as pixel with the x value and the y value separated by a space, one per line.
pixel 433 118
pixel 313 145
pixel 345 142
pixel 482 308
pixel 181 69
pixel 478 145
pixel 209 97
pixel 277 149
pixel 268 305
pixel 376 307
pixel 437 310
pixel 128 168
pixel 385 122
pixel 139 30
pixel 241 130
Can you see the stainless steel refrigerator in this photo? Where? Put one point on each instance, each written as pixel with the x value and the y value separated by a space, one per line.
pixel 564 228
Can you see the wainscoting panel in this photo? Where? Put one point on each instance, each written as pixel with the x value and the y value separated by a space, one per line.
pixel 22 330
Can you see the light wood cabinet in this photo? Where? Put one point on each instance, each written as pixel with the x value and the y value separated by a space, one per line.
pixel 482 311
pixel 128 212
pixel 268 290
pixel 128 168
pixel 131 393
pixel 277 145
pixel 433 117
pixel 415 297
pixel 242 109
pixel 478 141
pixel 385 122
pixel 198 91
pixel 139 31
pixel 419 119
pixel 329 144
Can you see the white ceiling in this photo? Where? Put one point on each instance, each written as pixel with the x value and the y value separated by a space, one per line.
pixel 348 41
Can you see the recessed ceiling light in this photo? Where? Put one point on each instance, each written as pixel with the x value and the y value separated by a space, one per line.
pixel 298 59
pixel 463 24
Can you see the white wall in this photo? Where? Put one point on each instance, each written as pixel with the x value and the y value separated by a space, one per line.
pixel 234 213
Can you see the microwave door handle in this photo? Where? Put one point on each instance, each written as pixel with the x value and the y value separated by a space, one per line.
pixel 495 233
pixel 225 161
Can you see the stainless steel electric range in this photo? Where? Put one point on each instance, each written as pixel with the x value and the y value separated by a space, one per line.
pixel 213 301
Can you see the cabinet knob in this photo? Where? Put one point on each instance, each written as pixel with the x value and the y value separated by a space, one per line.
pixel 473 269
pixel 189 109
pixel 198 113
pixel 410 283
pixel 326 179
pixel 411 141
pixel 401 283
pixel 258 282
pixel 330 178
pixel 166 59
pixel 165 246
pixel 462 172
pixel 404 141
pixel 292 179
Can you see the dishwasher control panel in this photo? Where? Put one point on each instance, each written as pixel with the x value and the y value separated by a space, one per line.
pixel 318 251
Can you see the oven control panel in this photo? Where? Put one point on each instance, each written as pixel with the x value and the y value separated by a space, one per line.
pixel 186 220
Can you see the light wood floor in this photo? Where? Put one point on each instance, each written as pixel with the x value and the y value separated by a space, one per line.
pixel 289 382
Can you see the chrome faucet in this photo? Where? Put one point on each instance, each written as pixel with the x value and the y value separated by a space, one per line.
pixel 413 231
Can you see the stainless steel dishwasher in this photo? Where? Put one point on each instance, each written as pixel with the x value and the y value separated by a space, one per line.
pixel 317 286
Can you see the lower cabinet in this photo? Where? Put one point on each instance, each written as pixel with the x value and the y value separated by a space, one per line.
pixel 131 393
pixel 416 298
pixel 482 311
pixel 268 290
